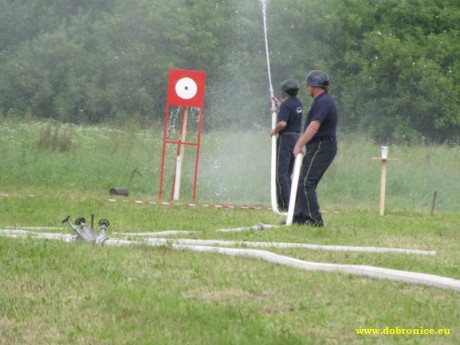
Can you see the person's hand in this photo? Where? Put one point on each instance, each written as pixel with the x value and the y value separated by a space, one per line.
pixel 276 101
pixel 297 150
pixel 272 132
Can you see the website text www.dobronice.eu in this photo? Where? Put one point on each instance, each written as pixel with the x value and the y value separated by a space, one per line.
pixel 402 331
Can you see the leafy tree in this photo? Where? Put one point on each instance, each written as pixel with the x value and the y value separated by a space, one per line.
pixel 394 64
pixel 395 74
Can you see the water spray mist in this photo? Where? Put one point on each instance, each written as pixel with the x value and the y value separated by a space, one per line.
pixel 274 201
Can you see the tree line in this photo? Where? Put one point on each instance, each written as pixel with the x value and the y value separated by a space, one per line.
pixel 394 64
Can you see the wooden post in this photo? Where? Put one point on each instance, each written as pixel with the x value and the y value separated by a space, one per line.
pixel 383 177
pixel 433 204
pixel 383 181
pixel 180 156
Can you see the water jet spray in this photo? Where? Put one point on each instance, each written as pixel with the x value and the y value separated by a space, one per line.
pixel 273 109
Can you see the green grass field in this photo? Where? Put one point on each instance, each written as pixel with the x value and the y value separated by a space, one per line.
pixel 55 292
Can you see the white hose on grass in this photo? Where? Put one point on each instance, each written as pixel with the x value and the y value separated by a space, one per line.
pixel 258 226
pixel 284 245
pixel 155 234
pixel 45 235
pixel 365 271
pixel 359 270
pixel 35 228
pixel 225 243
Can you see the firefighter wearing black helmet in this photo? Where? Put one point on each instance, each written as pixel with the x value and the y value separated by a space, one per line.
pixel 288 129
pixel 319 137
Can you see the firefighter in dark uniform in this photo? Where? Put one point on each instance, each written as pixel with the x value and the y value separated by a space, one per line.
pixel 319 136
pixel 288 129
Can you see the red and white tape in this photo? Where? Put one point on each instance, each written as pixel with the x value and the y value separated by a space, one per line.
pixel 166 203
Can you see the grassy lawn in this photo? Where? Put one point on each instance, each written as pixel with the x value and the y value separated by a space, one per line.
pixel 54 292
pixel 62 293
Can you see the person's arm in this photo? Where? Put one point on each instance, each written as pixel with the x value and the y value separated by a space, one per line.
pixel 279 127
pixel 306 136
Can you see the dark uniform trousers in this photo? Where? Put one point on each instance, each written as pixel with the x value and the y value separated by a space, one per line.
pixel 320 154
pixel 284 167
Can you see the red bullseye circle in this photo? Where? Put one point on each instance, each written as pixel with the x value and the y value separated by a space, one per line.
pixel 186 88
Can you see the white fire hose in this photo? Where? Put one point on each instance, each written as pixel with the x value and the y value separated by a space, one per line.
pixel 294 186
pixel 359 270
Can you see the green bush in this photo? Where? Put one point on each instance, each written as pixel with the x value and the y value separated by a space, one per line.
pixel 54 138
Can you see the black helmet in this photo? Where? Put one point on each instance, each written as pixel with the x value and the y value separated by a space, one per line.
pixel 317 78
pixel 290 87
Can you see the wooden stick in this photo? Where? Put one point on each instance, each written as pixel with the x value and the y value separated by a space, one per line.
pixel 180 156
pixel 433 204
pixel 383 178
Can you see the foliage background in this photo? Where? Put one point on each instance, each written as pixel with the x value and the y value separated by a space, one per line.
pixel 394 64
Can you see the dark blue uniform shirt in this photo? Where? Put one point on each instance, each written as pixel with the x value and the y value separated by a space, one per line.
pixel 291 110
pixel 324 110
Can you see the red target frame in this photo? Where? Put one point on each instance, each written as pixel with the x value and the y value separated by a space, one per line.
pixel 185 89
